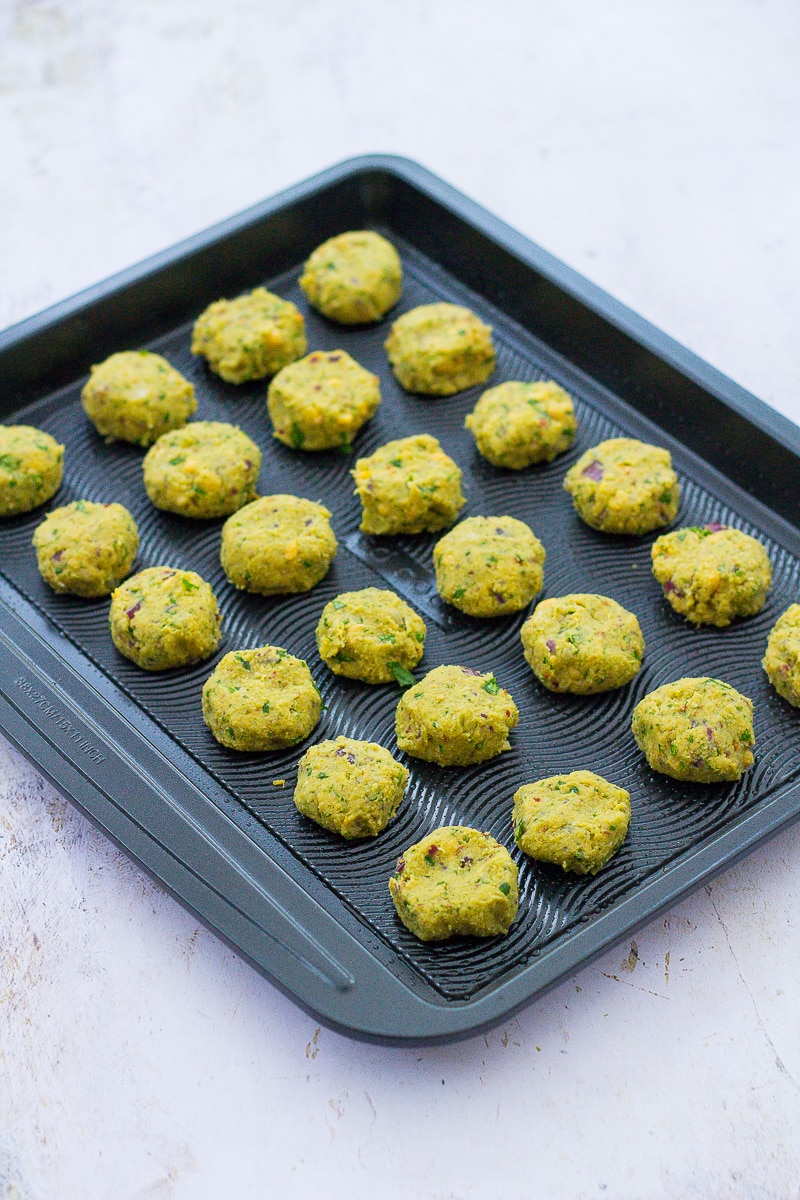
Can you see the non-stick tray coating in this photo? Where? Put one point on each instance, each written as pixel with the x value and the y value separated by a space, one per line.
pixel 556 733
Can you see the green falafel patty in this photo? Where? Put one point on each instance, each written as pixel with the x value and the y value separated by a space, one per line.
pixel 352 788
pixel 31 465
pixel 456 881
pixel 206 469
pixel 782 658
pixel 517 424
pixel 250 337
pixel 454 717
pixel 370 635
pixel 85 548
pixel 440 349
pixel 263 699
pixel 489 566
pixel 576 821
pixel 711 574
pixel 135 396
pixel 354 278
pixel 408 486
pixel 624 486
pixel 163 618
pixel 697 729
pixel 582 644
pixel 277 544
pixel 321 402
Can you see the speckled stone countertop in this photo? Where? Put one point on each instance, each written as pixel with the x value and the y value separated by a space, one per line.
pixel 655 149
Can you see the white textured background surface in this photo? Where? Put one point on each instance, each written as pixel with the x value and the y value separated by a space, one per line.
pixel 653 147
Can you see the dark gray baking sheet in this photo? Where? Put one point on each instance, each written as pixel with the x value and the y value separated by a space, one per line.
pixel 130 747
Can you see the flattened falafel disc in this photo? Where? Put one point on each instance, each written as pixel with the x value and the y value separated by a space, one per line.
pixel 371 635
pixel 135 396
pixel 696 729
pixel 250 337
pixel 711 574
pixel 456 881
pixel 455 716
pixel 582 644
pixel 624 486
pixel 321 401
pixel 277 544
pixel 782 658
pixel 31 466
pixel 577 821
pixel 262 699
pixel 164 617
pixel 408 486
pixel 353 278
pixel 206 469
pixel 517 424
pixel 85 548
pixel 489 566
pixel 352 788
pixel 440 349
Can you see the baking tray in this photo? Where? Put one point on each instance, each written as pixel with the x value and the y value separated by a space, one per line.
pixel 129 748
